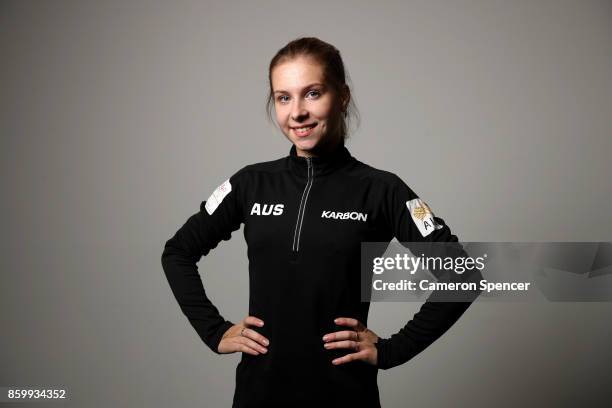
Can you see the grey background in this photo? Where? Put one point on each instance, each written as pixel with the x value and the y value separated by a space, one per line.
pixel 119 118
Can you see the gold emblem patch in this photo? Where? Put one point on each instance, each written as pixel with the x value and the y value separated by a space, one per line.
pixel 422 211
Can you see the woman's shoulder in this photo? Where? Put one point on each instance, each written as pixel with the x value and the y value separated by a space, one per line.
pixel 269 166
pixel 375 174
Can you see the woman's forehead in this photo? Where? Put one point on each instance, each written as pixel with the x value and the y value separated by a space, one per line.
pixel 296 73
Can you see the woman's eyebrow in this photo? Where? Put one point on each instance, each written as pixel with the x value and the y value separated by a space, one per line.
pixel 307 86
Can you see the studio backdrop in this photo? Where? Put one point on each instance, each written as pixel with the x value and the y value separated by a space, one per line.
pixel 118 118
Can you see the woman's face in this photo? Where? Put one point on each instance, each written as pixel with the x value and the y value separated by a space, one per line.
pixel 307 111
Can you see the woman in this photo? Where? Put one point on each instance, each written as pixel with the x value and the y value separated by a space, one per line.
pixel 306 341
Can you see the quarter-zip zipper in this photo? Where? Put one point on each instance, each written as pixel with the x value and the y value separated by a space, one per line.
pixel 300 217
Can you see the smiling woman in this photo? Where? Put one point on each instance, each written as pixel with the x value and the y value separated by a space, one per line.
pixel 305 341
pixel 305 112
pixel 310 95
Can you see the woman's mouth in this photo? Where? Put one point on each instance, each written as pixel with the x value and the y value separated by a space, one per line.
pixel 304 131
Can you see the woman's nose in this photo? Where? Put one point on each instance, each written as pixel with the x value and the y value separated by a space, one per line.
pixel 298 112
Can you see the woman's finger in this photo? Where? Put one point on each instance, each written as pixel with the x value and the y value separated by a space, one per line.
pixel 252 334
pixel 246 349
pixel 342 335
pixel 253 321
pixel 349 321
pixel 251 344
pixel 360 355
pixel 349 344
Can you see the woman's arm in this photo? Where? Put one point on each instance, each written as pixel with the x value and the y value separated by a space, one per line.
pixel 411 220
pixel 218 217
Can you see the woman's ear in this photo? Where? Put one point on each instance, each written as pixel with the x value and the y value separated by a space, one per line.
pixel 346 97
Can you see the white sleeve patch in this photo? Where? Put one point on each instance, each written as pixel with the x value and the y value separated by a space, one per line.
pixel 422 216
pixel 217 196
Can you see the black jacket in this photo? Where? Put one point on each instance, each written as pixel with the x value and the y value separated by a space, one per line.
pixel 304 220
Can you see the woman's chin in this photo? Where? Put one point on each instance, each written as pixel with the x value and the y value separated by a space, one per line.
pixel 305 144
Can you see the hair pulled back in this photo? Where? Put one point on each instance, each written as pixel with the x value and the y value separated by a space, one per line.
pixel 335 75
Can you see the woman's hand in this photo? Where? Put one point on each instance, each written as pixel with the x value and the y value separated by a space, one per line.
pixel 240 337
pixel 360 338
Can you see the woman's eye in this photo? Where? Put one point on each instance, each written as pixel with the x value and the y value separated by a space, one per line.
pixel 284 98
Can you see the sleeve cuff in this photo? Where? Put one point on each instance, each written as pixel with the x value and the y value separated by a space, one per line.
pixel 382 348
pixel 214 343
pixel 211 336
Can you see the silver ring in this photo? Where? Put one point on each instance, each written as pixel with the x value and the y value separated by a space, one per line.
pixel 242 331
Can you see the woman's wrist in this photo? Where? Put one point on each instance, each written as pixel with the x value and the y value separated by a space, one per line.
pixel 219 336
pixel 382 353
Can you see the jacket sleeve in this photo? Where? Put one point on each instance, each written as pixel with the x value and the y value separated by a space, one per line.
pixel 411 220
pixel 219 216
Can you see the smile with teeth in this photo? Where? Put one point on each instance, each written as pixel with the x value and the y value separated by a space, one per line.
pixel 303 131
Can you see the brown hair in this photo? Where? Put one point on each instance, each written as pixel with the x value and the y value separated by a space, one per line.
pixel 333 68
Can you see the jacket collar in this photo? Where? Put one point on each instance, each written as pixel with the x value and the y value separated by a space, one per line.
pixel 321 165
